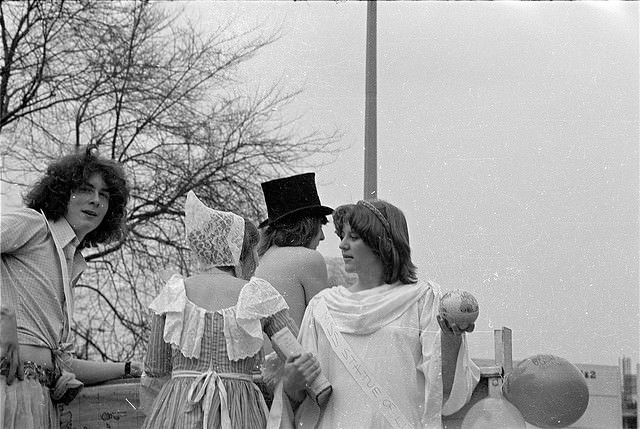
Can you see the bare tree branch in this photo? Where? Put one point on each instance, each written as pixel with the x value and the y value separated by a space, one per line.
pixel 162 98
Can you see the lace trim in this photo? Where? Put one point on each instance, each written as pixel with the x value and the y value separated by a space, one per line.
pixel 184 320
pixel 242 324
pixel 215 236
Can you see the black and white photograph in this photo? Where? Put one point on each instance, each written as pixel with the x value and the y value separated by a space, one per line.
pixel 319 214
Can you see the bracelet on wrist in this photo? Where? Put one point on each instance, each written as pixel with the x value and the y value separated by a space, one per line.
pixel 127 368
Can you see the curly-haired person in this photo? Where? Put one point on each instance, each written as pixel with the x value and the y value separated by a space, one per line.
pixel 78 203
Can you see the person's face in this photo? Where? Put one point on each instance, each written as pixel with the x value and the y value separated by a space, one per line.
pixel 87 206
pixel 357 256
pixel 315 242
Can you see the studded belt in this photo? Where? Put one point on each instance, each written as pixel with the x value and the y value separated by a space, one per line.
pixel 46 376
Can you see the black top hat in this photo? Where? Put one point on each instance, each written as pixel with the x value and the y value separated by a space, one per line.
pixel 295 195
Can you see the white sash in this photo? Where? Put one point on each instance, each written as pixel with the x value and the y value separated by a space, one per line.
pixel 360 373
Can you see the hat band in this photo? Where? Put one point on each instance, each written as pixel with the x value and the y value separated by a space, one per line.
pixel 291 215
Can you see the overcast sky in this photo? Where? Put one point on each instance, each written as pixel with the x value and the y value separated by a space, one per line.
pixel 508 134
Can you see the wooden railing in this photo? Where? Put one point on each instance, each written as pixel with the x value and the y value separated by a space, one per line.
pixel 116 404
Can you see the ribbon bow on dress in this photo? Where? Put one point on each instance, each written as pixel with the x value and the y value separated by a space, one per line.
pixel 204 387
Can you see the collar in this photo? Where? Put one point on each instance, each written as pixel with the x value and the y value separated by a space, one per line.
pixel 63 232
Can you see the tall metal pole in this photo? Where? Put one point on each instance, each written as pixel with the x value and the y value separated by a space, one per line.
pixel 370 117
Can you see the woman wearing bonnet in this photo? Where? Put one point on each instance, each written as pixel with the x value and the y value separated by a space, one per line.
pixel 208 329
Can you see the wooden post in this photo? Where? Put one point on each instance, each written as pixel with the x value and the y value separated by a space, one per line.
pixel 502 344
pixel 370 110
pixel 503 361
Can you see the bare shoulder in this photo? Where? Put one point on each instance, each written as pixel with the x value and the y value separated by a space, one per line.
pixel 198 281
pixel 286 267
pixel 213 292
pixel 313 260
pixel 291 256
pixel 299 254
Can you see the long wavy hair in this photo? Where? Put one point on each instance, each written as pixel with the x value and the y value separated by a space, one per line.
pixel 251 238
pixel 390 245
pixel 51 194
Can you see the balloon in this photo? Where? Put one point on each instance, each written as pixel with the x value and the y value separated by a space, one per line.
pixel 459 307
pixel 549 391
pixel 493 413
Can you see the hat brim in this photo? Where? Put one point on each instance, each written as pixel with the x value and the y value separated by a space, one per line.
pixel 299 212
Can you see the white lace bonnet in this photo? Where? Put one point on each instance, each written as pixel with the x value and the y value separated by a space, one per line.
pixel 214 236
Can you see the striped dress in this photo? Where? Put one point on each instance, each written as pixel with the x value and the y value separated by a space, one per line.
pixel 211 358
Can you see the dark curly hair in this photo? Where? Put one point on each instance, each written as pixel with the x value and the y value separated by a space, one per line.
pixel 52 192
pixel 295 231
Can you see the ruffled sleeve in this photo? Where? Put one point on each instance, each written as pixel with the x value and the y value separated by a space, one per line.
pixel 242 323
pixel 184 321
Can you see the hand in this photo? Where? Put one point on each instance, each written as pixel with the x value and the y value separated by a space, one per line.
pixel 137 368
pixel 450 328
pixel 9 347
pixel 299 372
pixel 272 370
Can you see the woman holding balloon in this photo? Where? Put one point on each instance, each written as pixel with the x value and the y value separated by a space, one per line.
pixel 392 359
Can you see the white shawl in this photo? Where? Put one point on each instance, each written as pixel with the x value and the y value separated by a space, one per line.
pixel 363 313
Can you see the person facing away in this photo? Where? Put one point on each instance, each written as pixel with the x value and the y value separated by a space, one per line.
pixel 78 203
pixel 289 239
pixel 392 361
pixel 207 330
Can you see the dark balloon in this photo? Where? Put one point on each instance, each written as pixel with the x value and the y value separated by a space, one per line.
pixel 549 391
